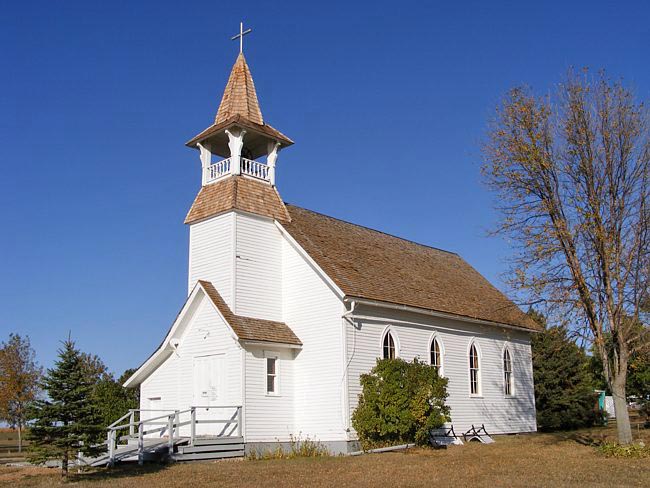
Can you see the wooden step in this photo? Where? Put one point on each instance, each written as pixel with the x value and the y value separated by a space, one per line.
pixel 217 441
pixel 154 450
pixel 211 448
pixel 204 456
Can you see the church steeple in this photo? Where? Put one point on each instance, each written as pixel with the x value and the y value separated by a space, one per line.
pixel 239 133
pixel 239 97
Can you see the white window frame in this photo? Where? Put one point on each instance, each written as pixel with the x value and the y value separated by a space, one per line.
pixel 479 387
pixel 276 374
pixel 441 347
pixel 508 350
pixel 393 336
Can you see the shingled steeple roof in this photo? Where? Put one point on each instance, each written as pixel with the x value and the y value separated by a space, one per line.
pixel 239 107
pixel 239 97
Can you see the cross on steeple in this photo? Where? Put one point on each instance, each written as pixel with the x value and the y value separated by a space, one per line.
pixel 240 36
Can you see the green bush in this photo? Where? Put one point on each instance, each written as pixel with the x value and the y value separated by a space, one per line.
pixel 400 403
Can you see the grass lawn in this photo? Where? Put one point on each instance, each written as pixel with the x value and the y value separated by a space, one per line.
pixel 526 460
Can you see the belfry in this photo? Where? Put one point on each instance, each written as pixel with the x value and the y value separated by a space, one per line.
pixel 239 142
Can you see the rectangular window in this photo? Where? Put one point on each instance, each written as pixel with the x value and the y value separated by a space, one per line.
pixel 271 376
pixel 508 381
pixel 474 381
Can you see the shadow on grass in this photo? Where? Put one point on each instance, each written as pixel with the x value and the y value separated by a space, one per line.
pixel 594 436
pixel 537 438
pixel 586 437
pixel 130 470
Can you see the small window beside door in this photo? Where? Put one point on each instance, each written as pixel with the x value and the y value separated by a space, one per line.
pixel 271 375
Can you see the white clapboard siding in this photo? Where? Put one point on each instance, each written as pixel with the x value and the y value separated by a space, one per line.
pixel 268 417
pixel 258 281
pixel 499 413
pixel 212 254
pixel 161 386
pixel 206 334
pixel 313 311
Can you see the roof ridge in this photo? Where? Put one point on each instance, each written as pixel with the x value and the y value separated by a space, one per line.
pixel 410 241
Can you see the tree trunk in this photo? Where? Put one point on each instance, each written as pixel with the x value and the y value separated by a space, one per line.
pixel 20 437
pixel 622 416
pixel 64 464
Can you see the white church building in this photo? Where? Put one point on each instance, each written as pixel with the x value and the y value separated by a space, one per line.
pixel 287 307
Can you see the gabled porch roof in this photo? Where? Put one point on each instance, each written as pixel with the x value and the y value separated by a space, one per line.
pixel 244 329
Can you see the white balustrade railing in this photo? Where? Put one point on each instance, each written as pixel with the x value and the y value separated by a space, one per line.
pixel 254 169
pixel 247 167
pixel 217 170
pixel 228 423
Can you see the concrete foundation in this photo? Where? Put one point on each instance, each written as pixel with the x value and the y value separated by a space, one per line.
pixel 334 447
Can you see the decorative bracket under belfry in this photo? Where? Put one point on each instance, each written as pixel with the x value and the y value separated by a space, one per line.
pixel 273 148
pixel 205 156
pixel 235 143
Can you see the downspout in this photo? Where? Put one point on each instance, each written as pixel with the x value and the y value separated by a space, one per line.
pixel 346 363
pixel 242 398
pixel 353 305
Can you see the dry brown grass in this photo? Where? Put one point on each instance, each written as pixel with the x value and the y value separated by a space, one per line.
pixel 527 460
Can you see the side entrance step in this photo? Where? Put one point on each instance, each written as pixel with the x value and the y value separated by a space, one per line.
pixel 206 448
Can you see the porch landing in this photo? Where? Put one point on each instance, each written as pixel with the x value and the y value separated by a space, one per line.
pixel 158 450
pixel 152 437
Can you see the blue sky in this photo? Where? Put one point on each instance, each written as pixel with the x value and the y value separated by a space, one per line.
pixel 387 102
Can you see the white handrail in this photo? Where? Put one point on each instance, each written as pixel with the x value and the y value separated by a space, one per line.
pixel 212 406
pixel 172 425
pixel 119 420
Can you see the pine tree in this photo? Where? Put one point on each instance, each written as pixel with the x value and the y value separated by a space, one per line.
pixel 112 399
pixel 68 421
pixel 564 393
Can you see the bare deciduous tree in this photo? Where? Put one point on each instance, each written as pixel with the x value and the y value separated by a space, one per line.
pixel 572 175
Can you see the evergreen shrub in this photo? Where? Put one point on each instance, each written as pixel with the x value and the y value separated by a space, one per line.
pixel 401 402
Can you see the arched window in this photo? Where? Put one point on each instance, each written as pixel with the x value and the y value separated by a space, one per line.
pixel 507 372
pixel 435 356
pixel 389 346
pixel 474 380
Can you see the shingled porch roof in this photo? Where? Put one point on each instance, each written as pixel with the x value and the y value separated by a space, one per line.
pixel 249 328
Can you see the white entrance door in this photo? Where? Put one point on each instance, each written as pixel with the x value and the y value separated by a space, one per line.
pixel 209 391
